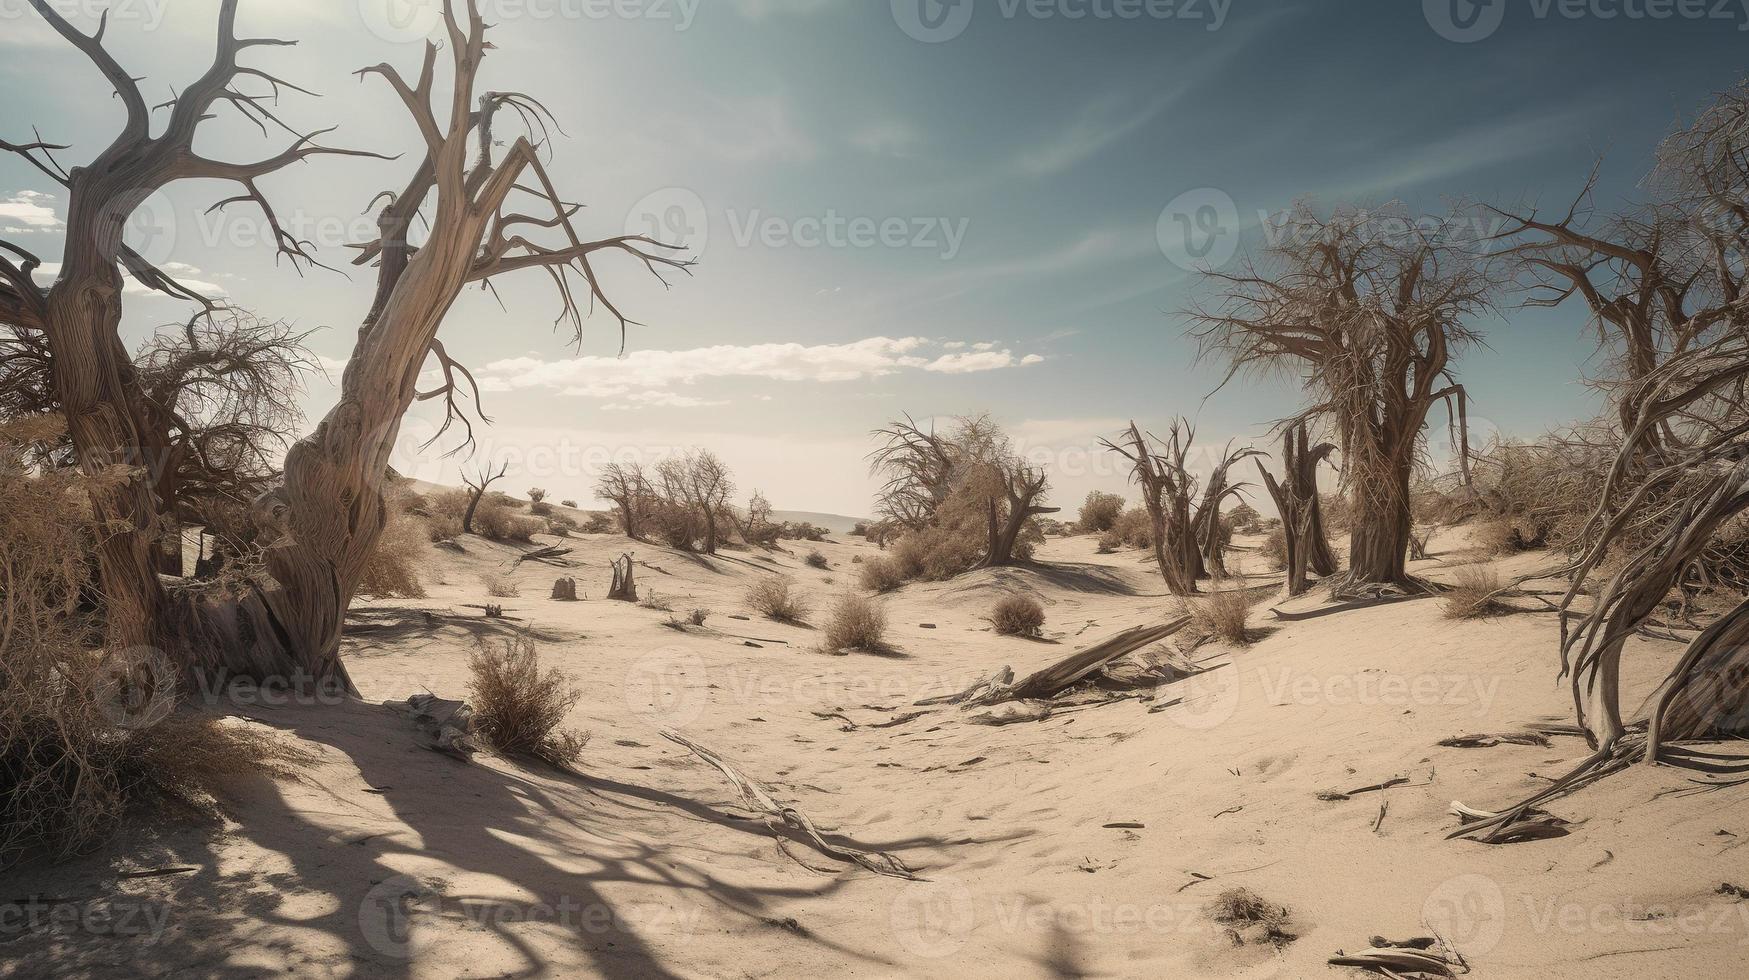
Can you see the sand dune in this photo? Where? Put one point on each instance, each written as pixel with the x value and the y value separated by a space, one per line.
pixel 392 860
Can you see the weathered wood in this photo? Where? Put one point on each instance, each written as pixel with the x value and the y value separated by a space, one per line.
pixel 1051 680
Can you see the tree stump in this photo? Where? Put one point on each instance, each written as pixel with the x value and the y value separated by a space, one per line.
pixel 624 589
pixel 565 589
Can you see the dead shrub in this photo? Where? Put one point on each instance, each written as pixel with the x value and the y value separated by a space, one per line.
pixel 501 587
pixel 655 600
pixel 494 520
pixel 1470 596
pixel 816 560
pixel 393 569
pixel 698 616
pixel 776 599
pixel 1274 548
pixel 541 508
pixel 86 738
pixel 1018 615
pixel 936 554
pixel 1135 529
pixel 881 574
pixel 1223 615
pixel 1251 919
pixel 442 527
pixel 519 707
pixel 856 623
pixel 600 524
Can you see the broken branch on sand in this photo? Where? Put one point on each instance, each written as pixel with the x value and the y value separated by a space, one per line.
pixel 757 797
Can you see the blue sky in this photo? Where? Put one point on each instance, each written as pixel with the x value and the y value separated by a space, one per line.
pixel 891 225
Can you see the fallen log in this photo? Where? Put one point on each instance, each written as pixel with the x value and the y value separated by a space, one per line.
pixel 1047 683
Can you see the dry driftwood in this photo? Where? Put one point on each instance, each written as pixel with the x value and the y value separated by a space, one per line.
pixel 1052 680
pixel 757 797
pixel 550 555
pixel 442 724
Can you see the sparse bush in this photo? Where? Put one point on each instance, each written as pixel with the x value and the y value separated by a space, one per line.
pixel 1274 548
pixel 1135 529
pixel 540 508
pixel 448 503
pixel 882 574
pixel 568 503
pixel 1109 542
pixel 698 616
pixel 600 524
pixel 1470 596
pixel 816 560
pixel 655 600
pixel 859 529
pixel 1223 615
pixel 1018 615
pixel 802 531
pixel 443 528
pixel 518 707
pixel 500 587
pixel 537 495
pixel 496 522
pixel 393 569
pixel 855 623
pixel 936 554
pixel 1099 512
pixel 775 598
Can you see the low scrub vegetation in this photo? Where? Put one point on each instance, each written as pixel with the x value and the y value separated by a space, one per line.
pixel 881 574
pixel 501 587
pixel 817 560
pixel 1099 512
pixel 520 708
pixel 1471 595
pixel 393 569
pixel 1223 615
pixel 1018 615
pixel 776 598
pixel 855 623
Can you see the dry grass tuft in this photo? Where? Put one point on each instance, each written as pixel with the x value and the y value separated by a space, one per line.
pixel 1471 593
pixel 698 616
pixel 817 560
pixel 655 600
pixel 1251 919
pixel 856 623
pixel 881 574
pixel 1018 615
pixel 1223 615
pixel 776 599
pixel 518 707
pixel 500 587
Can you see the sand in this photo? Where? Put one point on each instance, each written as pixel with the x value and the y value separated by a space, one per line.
pixel 387 859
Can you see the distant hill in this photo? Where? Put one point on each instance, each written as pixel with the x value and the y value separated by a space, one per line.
pixel 836 523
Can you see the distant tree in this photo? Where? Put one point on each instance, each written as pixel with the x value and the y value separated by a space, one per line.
pixel 1099 512
pixel 477 485
pixel 698 481
pixel 630 492
pixel 536 494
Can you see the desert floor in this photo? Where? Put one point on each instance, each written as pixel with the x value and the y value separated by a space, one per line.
pixel 388 859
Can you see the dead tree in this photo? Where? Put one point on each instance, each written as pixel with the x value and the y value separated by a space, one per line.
pixel 1369 308
pixel 479 199
pixel 1023 486
pixel 630 492
pixel 477 485
pixel 918 470
pixel 1212 533
pixel 1296 500
pixel 700 482
pixel 1167 491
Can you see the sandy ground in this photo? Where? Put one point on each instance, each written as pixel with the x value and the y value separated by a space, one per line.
pixel 388 860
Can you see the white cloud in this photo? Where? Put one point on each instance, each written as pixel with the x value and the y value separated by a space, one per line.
pixel 646 377
pixel 29 211
pixel 182 272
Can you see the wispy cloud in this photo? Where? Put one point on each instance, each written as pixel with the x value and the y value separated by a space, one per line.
pixel 647 378
pixel 1099 124
pixel 892 137
pixel 29 211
